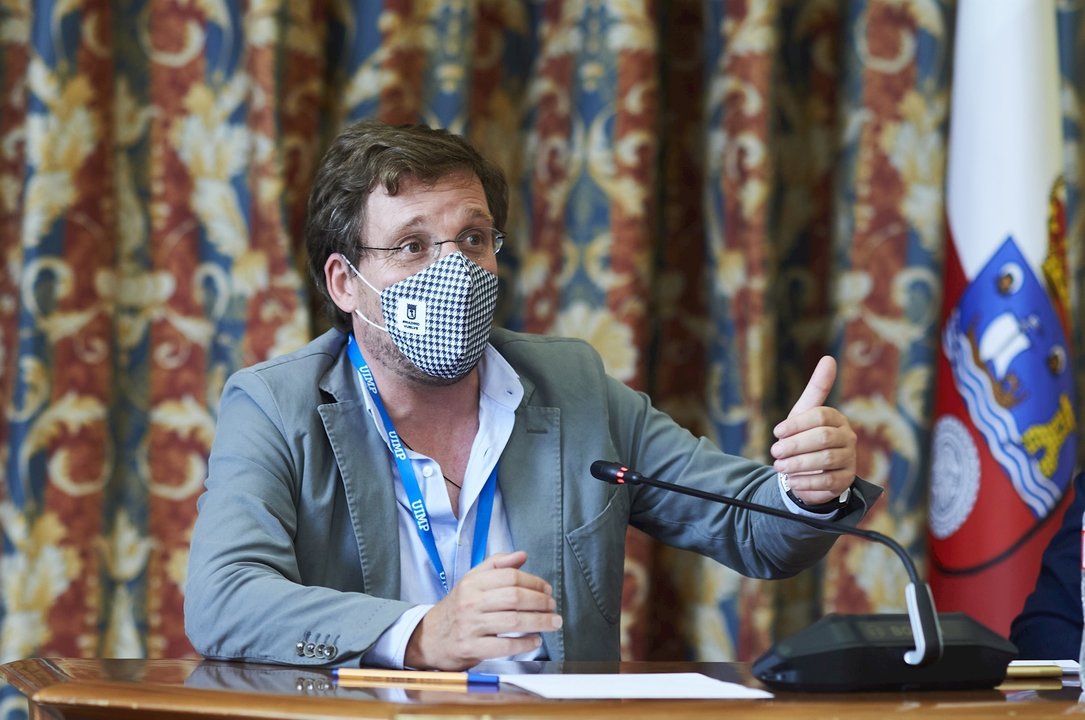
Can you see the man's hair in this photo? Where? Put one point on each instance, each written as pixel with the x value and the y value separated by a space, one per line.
pixel 368 155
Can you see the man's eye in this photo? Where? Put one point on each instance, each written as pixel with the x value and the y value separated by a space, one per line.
pixel 473 239
pixel 412 247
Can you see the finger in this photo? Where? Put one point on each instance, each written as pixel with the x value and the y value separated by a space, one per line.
pixel 514 598
pixel 483 579
pixel 467 652
pixel 817 389
pixel 820 416
pixel 826 460
pixel 513 559
pixel 821 437
pixel 512 622
pixel 472 628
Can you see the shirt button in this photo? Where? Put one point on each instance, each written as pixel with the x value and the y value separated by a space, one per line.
pixel 427 471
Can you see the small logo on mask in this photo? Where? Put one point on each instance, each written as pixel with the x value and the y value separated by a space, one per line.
pixel 411 316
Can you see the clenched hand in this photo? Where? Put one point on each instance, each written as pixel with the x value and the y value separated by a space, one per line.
pixel 470 624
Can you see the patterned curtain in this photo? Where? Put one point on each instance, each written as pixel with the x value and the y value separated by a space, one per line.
pixel 153 162
pixel 712 193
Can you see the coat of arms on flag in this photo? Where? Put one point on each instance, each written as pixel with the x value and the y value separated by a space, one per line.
pixel 1007 349
pixel 1004 444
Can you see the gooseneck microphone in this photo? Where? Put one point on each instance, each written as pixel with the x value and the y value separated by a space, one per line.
pixel 921 614
pixel 864 652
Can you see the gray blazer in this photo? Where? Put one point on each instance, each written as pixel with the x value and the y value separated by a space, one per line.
pixel 296 540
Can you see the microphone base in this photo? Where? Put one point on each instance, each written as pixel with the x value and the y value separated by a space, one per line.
pixel 841 653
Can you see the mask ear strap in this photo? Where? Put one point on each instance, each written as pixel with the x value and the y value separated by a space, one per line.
pixel 363 317
pixel 359 275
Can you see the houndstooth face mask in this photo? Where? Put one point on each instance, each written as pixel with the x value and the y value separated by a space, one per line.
pixel 440 317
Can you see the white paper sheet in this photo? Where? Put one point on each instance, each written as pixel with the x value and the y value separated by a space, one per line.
pixel 635 685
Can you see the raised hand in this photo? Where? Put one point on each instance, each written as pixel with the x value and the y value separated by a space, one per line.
pixel 815 445
pixel 469 625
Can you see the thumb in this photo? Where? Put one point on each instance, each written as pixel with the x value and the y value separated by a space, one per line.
pixel 817 390
pixel 507 560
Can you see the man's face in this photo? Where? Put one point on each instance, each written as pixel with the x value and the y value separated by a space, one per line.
pixel 441 212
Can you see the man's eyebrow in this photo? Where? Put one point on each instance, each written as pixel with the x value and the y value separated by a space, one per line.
pixel 472 214
pixel 404 228
pixel 478 213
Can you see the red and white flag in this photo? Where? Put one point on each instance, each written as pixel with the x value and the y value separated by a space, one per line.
pixel 1004 443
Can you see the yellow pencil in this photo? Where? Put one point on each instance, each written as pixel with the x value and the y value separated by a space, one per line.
pixel 1033 671
pixel 412 677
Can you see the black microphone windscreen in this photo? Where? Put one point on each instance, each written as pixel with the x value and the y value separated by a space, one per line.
pixel 605 471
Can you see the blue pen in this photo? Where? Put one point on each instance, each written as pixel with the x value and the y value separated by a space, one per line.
pixel 483 679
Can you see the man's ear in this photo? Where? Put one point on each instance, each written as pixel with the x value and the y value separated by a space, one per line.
pixel 341 288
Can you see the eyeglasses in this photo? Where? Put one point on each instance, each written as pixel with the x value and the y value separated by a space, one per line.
pixel 421 249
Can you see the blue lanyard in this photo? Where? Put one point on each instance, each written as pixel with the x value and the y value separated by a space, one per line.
pixel 410 482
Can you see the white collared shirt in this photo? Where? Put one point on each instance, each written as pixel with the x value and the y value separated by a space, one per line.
pixel 500 393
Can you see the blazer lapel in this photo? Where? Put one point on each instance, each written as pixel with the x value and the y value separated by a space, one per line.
pixel 362 458
pixel 533 500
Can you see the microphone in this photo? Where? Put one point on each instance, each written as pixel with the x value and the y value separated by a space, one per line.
pixel 865 652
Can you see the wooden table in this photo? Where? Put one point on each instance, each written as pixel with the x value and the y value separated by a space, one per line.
pixel 173 689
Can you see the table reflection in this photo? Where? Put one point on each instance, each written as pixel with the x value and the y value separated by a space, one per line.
pixel 319 682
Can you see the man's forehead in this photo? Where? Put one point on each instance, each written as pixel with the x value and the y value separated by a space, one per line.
pixel 417 203
pixel 409 184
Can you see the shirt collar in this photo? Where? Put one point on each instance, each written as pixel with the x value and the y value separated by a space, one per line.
pixel 497 380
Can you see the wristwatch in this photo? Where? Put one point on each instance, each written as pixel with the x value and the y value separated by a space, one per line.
pixel 823 508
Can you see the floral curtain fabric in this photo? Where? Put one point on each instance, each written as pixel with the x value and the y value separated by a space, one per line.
pixel 712 193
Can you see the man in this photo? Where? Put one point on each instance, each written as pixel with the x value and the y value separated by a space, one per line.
pixel 1050 625
pixel 412 489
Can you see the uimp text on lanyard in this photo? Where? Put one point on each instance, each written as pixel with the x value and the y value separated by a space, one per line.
pixel 410 481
